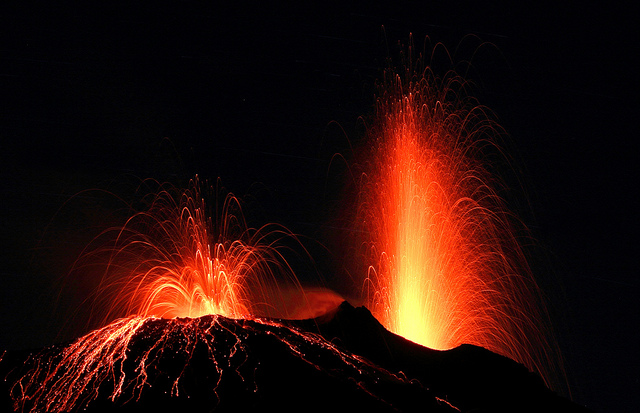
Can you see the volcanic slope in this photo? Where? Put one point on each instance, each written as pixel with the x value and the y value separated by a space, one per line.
pixel 469 377
pixel 343 361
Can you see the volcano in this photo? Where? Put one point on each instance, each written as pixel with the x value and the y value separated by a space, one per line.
pixel 344 360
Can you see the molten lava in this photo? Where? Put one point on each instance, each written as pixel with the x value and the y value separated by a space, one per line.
pixel 171 260
pixel 173 276
pixel 116 366
pixel 445 266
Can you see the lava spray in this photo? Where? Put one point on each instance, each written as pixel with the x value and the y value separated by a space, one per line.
pixel 442 253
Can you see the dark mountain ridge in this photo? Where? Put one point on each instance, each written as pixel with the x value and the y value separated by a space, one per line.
pixel 342 361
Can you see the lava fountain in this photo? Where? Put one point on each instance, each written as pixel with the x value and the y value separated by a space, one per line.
pixel 180 281
pixel 445 266
pixel 172 260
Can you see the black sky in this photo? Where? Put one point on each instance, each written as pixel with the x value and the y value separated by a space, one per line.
pixel 97 98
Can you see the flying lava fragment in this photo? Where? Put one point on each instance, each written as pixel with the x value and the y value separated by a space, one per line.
pixel 442 252
pixel 173 259
pixel 173 276
pixel 442 266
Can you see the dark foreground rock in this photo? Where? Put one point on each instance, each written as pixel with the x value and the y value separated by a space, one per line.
pixel 342 361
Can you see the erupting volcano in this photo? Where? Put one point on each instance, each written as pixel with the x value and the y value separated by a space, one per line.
pixel 196 309
pixel 445 266
pixel 174 260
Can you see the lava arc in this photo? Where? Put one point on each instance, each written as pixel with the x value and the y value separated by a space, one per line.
pixel 172 260
pixel 443 258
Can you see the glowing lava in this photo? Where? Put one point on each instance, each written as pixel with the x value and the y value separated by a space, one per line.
pixel 444 262
pixel 177 283
pixel 171 260
pixel 445 268
pixel 118 364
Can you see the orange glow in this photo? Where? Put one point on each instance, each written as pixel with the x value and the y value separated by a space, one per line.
pixel 76 373
pixel 171 261
pixel 120 362
pixel 445 266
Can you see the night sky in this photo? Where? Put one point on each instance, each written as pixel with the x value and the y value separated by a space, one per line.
pixel 94 100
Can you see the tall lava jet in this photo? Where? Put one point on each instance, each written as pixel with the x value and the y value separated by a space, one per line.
pixel 441 250
pixel 187 303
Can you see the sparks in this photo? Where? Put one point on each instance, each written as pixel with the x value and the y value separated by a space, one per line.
pixel 445 266
pixel 171 260
pixel 443 262
pixel 118 364
pixel 173 276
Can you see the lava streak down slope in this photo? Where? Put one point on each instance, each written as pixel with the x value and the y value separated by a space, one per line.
pixel 344 360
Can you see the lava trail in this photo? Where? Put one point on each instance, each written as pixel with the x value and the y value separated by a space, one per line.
pixel 209 362
pixel 175 282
